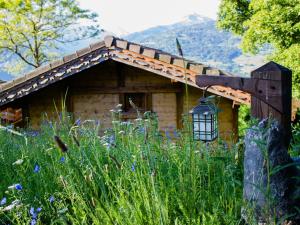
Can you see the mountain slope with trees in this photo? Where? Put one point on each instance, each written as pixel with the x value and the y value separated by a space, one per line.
pixel 201 41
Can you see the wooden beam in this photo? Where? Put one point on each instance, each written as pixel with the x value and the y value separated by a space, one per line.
pixel 117 90
pixel 267 91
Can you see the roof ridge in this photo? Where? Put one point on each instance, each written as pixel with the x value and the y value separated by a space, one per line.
pixel 116 42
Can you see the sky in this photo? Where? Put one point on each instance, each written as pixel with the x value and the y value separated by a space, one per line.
pixel 128 16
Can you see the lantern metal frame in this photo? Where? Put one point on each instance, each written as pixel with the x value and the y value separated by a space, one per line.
pixel 205 119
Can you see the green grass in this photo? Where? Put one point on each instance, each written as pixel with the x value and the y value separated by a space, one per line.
pixel 132 174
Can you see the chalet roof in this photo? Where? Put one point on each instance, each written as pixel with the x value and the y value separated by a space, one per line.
pixel 119 50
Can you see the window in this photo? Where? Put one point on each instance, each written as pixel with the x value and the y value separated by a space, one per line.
pixel 138 99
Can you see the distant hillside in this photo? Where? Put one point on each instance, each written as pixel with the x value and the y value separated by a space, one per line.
pixel 201 41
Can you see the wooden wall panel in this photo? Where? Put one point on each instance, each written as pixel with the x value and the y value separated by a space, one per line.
pixel 45 105
pixel 164 104
pixel 228 124
pixel 95 107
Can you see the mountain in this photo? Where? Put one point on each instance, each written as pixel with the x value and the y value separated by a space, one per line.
pixel 201 41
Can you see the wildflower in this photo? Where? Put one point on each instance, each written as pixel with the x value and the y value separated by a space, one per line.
pixel 121 132
pixel 34 215
pixel 36 168
pixel 18 162
pixel 167 133
pixel 51 199
pixel 3 201
pixel 60 144
pixel 62 159
pixel 78 122
pixel 16 186
pixel 133 167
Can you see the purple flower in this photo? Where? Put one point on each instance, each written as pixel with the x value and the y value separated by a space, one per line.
pixel 62 159
pixel 3 201
pixel 78 122
pixel 36 168
pixel 34 214
pixel 133 167
pixel 18 187
pixel 51 199
pixel 168 135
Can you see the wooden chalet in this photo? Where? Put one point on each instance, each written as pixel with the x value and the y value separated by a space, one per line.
pixel 104 74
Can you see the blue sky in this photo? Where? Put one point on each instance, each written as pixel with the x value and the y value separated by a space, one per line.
pixel 127 16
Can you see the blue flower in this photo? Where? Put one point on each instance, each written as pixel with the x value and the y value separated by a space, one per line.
pixel 167 133
pixel 18 187
pixel 36 168
pixel 34 214
pixel 62 159
pixel 3 201
pixel 33 222
pixel 51 199
pixel 133 167
pixel 78 122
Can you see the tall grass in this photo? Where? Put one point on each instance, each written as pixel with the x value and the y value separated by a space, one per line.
pixel 132 174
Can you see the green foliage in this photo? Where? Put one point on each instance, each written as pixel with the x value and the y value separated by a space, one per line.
pixel 32 31
pixel 295 143
pixel 131 175
pixel 260 22
pixel 244 119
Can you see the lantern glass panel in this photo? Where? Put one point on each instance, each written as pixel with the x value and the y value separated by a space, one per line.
pixel 205 125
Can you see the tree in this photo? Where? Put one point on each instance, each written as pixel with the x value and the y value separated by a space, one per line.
pixel 32 31
pixel 272 22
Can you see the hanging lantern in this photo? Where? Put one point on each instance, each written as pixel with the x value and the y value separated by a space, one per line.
pixel 205 121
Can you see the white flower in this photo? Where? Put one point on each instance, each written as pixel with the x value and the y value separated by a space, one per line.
pixel 18 162
pixel 121 132
pixel 119 105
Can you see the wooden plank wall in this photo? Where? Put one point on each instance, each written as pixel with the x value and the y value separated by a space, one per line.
pixel 164 104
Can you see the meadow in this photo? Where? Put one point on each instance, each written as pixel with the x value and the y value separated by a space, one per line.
pixel 132 174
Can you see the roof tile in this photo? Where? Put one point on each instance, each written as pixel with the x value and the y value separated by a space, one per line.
pixel 197 68
pixel 70 57
pixel 83 51
pixel 121 44
pixel 109 41
pixel 165 58
pixel 97 45
pixel 135 48
pixel 56 63
pixel 149 53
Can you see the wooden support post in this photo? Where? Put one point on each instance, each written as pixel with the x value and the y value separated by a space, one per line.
pixel 277 92
pixel 270 87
